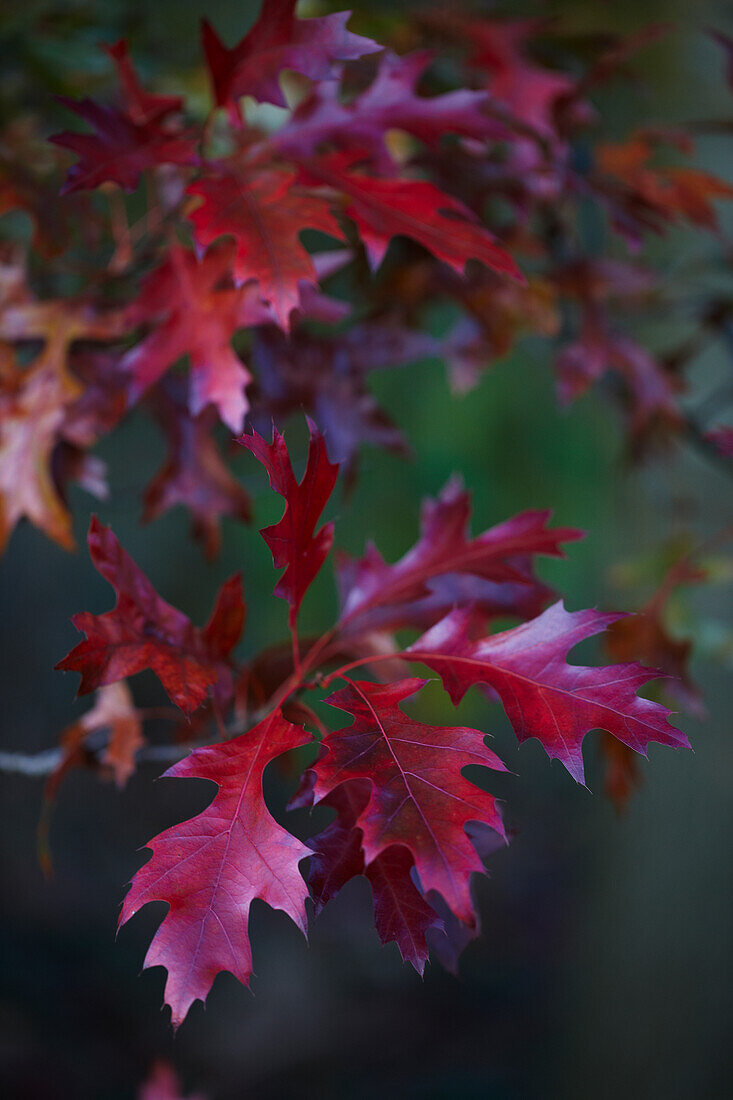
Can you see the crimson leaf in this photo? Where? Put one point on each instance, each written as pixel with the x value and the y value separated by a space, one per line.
pixel 499 554
pixel 419 799
pixel 543 695
pixel 265 215
pixel 385 208
pixel 401 914
pixel 143 631
pixel 277 41
pixel 120 149
pixel 210 869
pixel 292 540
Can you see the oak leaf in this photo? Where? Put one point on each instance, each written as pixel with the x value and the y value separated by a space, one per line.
pixel 501 554
pixel 195 313
pixel 383 208
pixel 543 695
pixel 389 103
pixel 419 798
pixel 401 914
pixel 265 214
pixel 143 631
pixel 293 541
pixel 120 150
pixel 37 406
pixel 210 869
pixel 278 41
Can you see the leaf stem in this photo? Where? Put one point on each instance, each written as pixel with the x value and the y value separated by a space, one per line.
pixel 338 674
pixel 297 668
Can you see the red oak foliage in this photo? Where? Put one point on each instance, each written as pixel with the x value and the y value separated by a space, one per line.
pixel 500 554
pixel 389 103
pixel 544 696
pixel 419 798
pixel 386 208
pixel 265 214
pixel 407 818
pixel 278 41
pixel 143 631
pixel 196 316
pixel 214 304
pixel 141 105
pixel 401 914
pixel 210 869
pixel 121 149
pixel 294 544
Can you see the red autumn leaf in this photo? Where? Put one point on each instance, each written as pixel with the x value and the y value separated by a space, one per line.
pixel 529 92
pixel 385 208
pixel 278 41
pixel 419 798
pixel 127 141
pixel 444 548
pixel 294 544
pixel 389 103
pixel 120 150
pixel 143 107
pixel 266 215
pixel 336 853
pixel 194 474
pixel 196 316
pixel 488 600
pixel 543 695
pixel 226 623
pixel 143 631
pixel 210 869
pixel 401 914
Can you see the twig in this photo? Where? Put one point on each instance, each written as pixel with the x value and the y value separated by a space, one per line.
pixel 40 764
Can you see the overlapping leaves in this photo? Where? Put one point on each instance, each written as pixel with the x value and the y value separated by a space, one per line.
pixel 406 816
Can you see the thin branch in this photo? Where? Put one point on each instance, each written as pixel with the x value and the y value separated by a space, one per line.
pixel 36 765
pixel 41 764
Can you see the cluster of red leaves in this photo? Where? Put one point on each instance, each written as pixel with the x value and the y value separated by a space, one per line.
pixel 406 816
pixel 216 271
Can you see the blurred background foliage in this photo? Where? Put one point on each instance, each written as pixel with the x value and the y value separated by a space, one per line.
pixel 604 968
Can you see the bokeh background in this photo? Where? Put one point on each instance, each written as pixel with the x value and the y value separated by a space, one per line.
pixel 604 968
